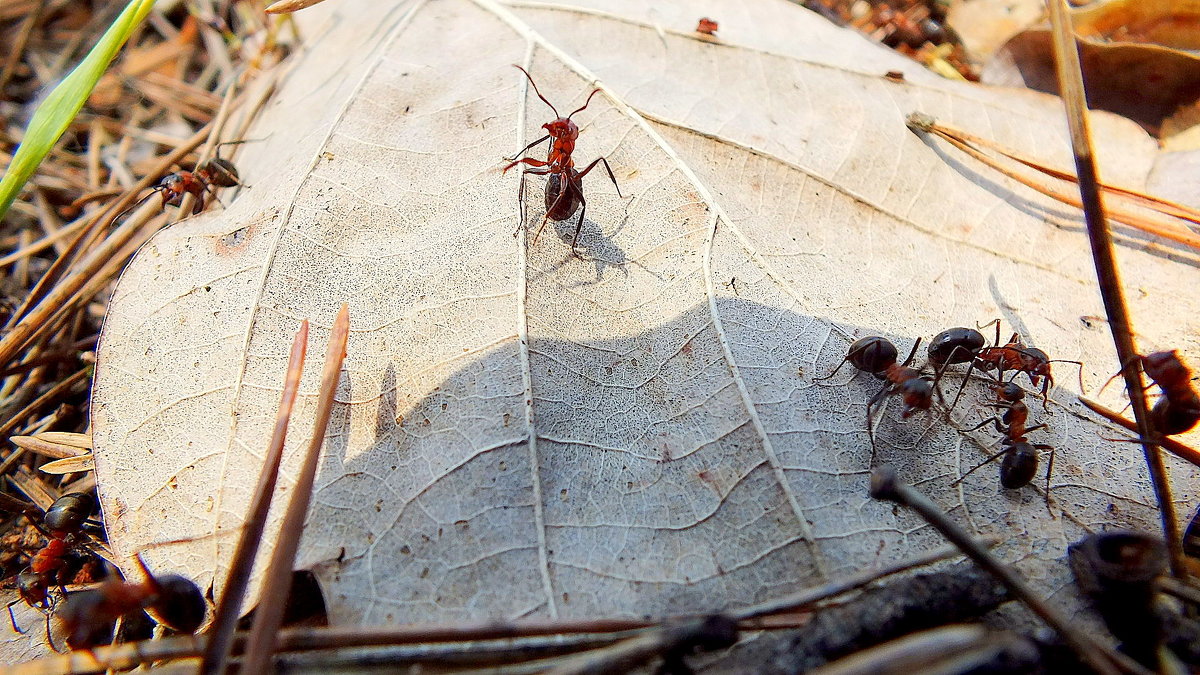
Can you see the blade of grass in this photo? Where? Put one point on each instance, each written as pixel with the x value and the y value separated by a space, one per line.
pixel 57 112
pixel 216 652
pixel 1070 83
pixel 269 615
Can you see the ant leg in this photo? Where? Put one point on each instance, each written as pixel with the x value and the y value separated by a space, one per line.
pixel 980 465
pixel 1049 468
pixel 199 205
pixel 579 223
pixel 870 423
pixel 12 618
pixel 520 152
pixel 606 168
pixel 520 204
pixel 962 387
pixel 527 160
pixel 835 370
pixel 993 420
pixel 912 353
pixel 1035 427
pixel 50 635
pixel 1045 393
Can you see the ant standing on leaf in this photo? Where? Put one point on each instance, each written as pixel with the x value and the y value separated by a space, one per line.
pixel 564 190
pixel 1020 457
pixel 198 182
pixel 61 561
pixel 966 345
pixel 877 355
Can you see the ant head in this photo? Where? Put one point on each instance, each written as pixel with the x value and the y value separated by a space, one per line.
pixel 562 127
pixel 1018 466
pixel 1009 391
pixel 872 354
pixel 33 588
pixel 917 393
pixel 955 345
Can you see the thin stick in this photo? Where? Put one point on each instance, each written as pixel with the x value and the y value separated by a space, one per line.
pixel 810 596
pixel 885 485
pixel 269 615
pixel 1172 231
pixel 53 394
pixel 216 652
pixel 1184 452
pixel 1070 78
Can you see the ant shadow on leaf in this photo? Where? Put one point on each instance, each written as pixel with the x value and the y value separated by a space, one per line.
pixel 595 247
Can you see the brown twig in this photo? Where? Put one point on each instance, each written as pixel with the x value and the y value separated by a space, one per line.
pixel 1070 79
pixel 1184 452
pixel 269 615
pixel 1103 659
pixel 217 649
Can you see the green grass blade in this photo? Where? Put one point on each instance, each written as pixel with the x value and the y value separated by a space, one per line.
pixel 55 114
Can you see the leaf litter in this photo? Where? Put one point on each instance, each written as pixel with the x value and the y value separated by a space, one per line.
pixel 524 434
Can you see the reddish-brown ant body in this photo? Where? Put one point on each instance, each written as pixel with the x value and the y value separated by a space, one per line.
pixel 171 600
pixel 201 180
pixel 60 560
pixel 877 355
pixel 216 171
pixel 967 345
pixel 1179 408
pixel 1020 462
pixel 561 202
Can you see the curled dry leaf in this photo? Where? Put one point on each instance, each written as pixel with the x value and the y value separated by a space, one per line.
pixel 1138 58
pixel 525 434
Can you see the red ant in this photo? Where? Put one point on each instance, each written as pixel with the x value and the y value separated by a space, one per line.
pixel 172 601
pixel 967 345
pixel 175 186
pixel 1179 408
pixel 877 355
pixel 1020 456
pixel 564 191
pixel 59 562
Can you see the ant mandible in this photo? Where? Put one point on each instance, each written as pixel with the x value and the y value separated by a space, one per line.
pixel 1020 456
pixel 564 190
pixel 1179 408
pixel 877 355
pixel 172 601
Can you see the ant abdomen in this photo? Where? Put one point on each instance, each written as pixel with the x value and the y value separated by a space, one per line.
pixel 1019 466
pixel 955 345
pixel 1173 417
pixel 68 513
pixel 220 172
pixel 560 209
pixel 179 606
pixel 872 354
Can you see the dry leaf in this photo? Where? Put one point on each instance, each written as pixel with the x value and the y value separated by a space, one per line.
pixel 1137 56
pixel 526 434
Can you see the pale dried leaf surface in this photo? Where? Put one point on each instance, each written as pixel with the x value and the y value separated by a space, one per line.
pixel 524 434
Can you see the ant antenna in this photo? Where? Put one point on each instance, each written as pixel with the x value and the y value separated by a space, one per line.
pixel 535 90
pixel 585 104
